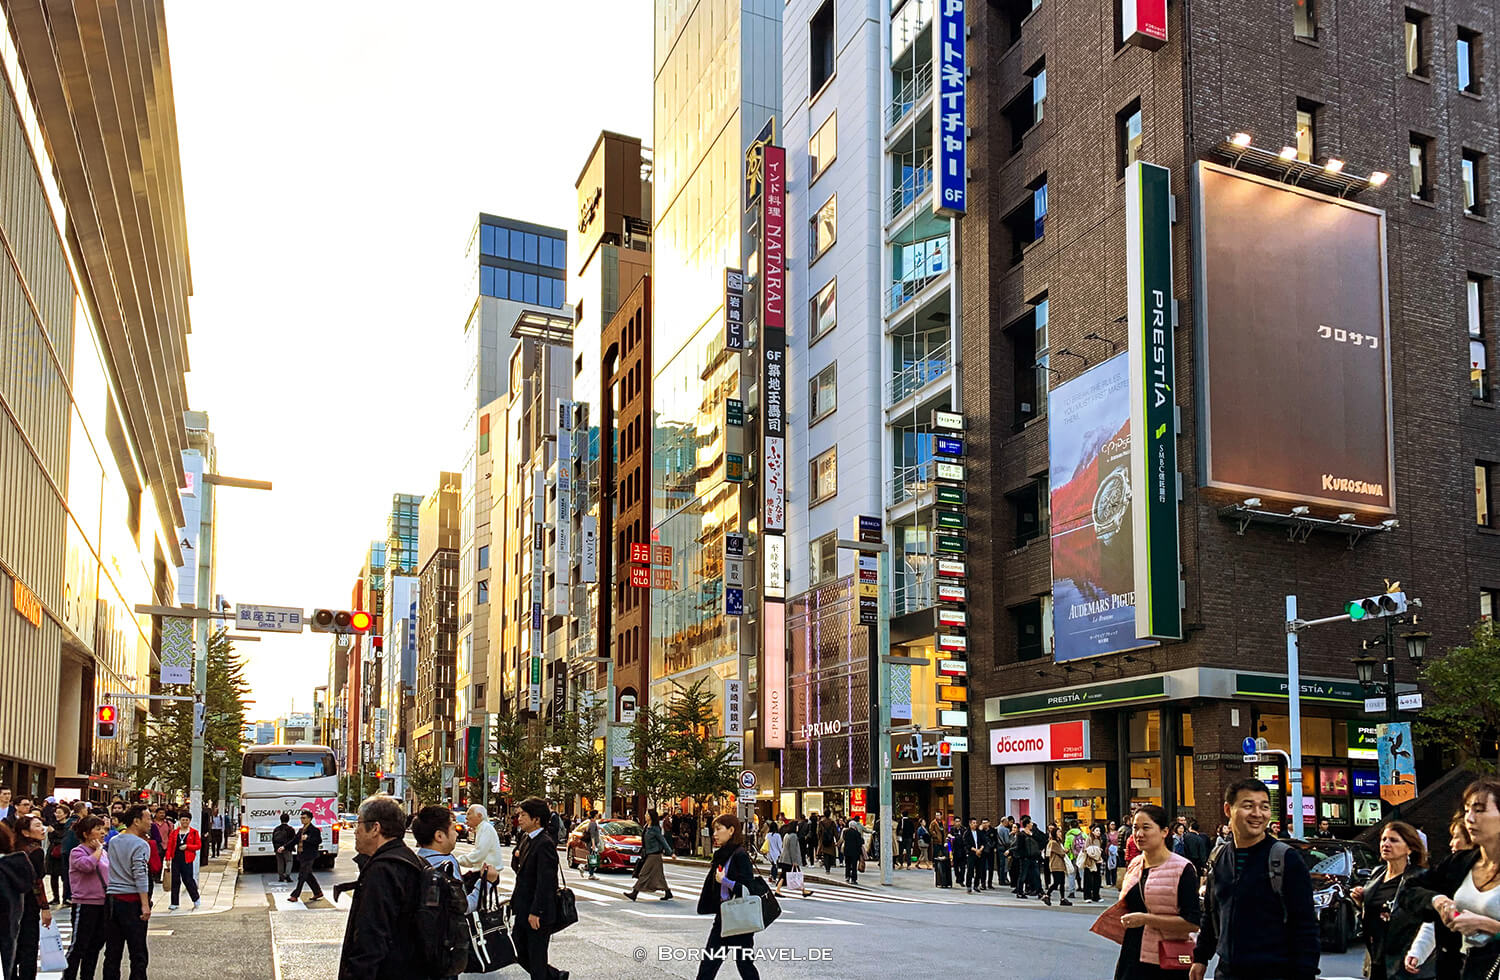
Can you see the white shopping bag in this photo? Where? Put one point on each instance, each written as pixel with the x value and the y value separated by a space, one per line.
pixel 54 957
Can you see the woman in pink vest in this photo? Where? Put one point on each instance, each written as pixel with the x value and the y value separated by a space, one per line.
pixel 1158 908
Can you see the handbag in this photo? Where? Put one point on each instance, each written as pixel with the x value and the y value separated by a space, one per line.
pixel 765 847
pixel 861 864
pixel 1175 954
pixel 490 946
pixel 794 879
pixel 54 957
pixel 741 915
pixel 770 908
pixel 567 904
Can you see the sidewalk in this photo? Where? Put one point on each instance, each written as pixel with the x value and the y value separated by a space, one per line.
pixel 217 880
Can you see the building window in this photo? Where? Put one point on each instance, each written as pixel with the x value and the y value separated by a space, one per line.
pixel 1487 603
pixel 1305 18
pixel 823 147
pixel 1024 111
pixel 1039 206
pixel 1028 220
pixel 484 556
pixel 1416 43
pixel 1039 319
pixel 1026 513
pixel 1028 625
pixel 825 475
pixel 1475 175
pixel 1015 13
pixel 481 593
pixel 1420 152
pixel 1307 131
pixel 824 566
pixel 1479 372
pixel 824 394
pixel 825 228
pixel 1483 514
pixel 820 33
pixel 1468 61
pixel 823 310
pixel 1127 137
pixel 1038 90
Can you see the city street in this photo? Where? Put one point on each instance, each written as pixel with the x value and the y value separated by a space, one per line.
pixel 838 932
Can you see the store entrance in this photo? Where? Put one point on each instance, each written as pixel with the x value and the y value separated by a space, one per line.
pixel 1077 793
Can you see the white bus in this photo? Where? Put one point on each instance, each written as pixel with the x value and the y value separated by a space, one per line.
pixel 288 779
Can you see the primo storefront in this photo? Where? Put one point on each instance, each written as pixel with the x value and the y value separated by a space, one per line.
pixel 1094 752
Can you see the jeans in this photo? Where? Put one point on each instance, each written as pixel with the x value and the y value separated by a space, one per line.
pixel 283 865
pixel 123 926
pixel 184 875
pixel 88 940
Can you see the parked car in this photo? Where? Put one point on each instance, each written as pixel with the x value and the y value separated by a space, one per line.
pixel 348 820
pixel 620 842
pixel 1336 867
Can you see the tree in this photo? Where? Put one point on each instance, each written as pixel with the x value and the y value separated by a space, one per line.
pixel 701 764
pixel 650 772
pixel 576 764
pixel 517 745
pixel 164 749
pixel 424 777
pixel 1464 710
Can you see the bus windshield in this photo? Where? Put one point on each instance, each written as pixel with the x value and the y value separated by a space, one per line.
pixel 289 765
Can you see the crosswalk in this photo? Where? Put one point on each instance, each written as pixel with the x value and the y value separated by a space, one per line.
pixel 687 882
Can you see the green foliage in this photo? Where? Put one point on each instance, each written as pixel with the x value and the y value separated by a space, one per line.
pixel 650 772
pixel 424 778
pixel 700 762
pixel 516 745
pixel 1463 712
pixel 163 752
pixel 574 764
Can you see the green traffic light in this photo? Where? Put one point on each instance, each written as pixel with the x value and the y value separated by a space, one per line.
pixel 1355 609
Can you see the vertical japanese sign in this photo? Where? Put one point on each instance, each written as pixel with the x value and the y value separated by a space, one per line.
pixel 176 650
pixel 773 335
pixel 734 717
pixel 952 197
pixel 1143 23
pixel 734 309
pixel 187 538
pixel 1153 402
pixel 562 551
pixel 538 588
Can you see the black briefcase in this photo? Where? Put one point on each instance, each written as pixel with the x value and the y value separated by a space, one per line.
pixel 567 904
pixel 490 946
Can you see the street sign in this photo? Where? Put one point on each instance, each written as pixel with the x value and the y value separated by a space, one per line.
pixel 1252 756
pixel 275 619
pixel 1249 745
pixel 869 529
pixel 958 743
pixel 747 779
pixel 1404 702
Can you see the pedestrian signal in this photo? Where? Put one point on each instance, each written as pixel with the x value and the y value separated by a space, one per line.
pixel 945 755
pixel 106 718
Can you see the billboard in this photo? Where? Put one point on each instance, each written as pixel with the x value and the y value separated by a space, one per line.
pixel 1093 554
pixel 1058 742
pixel 1293 327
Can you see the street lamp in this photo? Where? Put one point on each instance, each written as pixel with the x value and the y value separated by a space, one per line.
pixel 1416 646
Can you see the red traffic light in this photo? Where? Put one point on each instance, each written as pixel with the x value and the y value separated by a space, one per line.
pixel 105 718
pixel 107 712
pixel 361 621
pixel 945 747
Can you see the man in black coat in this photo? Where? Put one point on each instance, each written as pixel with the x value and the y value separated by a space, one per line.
pixel 309 841
pixel 533 902
pixel 380 938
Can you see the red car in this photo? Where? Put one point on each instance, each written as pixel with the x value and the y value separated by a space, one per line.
pixel 620 848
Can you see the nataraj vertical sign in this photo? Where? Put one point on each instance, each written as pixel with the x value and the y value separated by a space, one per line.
pixel 1143 23
pixel 773 334
pixel 951 141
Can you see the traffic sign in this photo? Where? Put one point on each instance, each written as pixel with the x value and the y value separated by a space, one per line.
pixel 1249 745
pixel 747 780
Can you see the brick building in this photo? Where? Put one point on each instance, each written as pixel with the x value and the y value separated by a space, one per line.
pixel 1063 105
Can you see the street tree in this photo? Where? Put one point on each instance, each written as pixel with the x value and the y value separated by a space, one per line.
pixel 516 745
pixel 575 763
pixel 424 777
pixel 1463 712
pixel 650 773
pixel 701 763
pixel 163 751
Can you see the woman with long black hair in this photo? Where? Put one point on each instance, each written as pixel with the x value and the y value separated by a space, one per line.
pixel 1056 857
pixel 729 875
pixel 1464 892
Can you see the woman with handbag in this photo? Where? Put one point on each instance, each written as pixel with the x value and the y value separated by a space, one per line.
pixel 31 838
pixel 730 873
pixel 790 867
pixel 1057 858
pixel 649 874
pixel 1158 907
pixel 1388 928
pixel 1463 893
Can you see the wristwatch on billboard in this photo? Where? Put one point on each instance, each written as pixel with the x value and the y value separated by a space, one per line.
pixel 1111 501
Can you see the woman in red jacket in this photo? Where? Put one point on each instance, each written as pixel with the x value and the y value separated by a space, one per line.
pixel 183 845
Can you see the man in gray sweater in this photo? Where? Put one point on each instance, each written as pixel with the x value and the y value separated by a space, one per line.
pixel 127 900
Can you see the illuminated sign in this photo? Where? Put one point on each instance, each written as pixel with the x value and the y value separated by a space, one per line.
pixel 1060 742
pixel 953 719
pixel 947 446
pixel 640 553
pixel 953 617
pixel 950 471
pixel 950 144
pixel 948 568
pixel 775 566
pixel 952 520
pixel 1144 23
pixel 953 668
pixel 952 496
pixel 640 576
pixel 734 309
pixel 26 603
pixel 952 642
pixel 952 593
pixel 948 420
pixel 773 675
pixel 950 544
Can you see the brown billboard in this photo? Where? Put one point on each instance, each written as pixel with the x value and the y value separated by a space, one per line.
pixel 1293 330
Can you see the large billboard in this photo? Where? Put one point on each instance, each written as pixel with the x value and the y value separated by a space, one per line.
pixel 1093 552
pixel 1293 329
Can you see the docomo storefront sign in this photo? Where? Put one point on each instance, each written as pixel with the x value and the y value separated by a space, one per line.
pixel 1061 742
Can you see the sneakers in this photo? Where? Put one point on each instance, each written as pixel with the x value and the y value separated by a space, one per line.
pixel 195 905
pixel 1064 902
pixel 171 908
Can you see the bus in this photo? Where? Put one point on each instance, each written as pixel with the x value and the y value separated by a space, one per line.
pixel 288 779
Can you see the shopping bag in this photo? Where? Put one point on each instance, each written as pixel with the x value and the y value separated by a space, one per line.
pixel 794 879
pixel 739 916
pixel 54 957
pixel 490 946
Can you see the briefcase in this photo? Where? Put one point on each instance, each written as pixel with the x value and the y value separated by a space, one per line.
pixel 490 946
pixel 567 904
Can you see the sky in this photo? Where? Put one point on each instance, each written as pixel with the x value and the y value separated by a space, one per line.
pixel 335 157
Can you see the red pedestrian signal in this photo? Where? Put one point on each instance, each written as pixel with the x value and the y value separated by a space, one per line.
pixel 105 720
pixel 945 755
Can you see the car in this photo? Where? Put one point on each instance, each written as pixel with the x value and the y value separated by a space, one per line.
pixel 1336 867
pixel 461 820
pixel 348 820
pixel 503 829
pixel 620 848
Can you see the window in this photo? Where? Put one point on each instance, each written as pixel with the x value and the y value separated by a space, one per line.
pixel 1026 513
pixel 1024 110
pixel 820 33
pixel 1420 152
pixel 825 559
pixel 1305 18
pixel 1416 43
pixel 1479 373
pixel 823 147
pixel 824 310
pixel 1483 515
pixel 1015 13
pixel 1307 132
pixel 481 593
pixel 1475 176
pixel 823 398
pixel 1028 220
pixel 1039 318
pixel 1127 137
pixel 1027 620
pixel 825 228
pixel 484 557
pixel 1038 90
pixel 825 475
pixel 1039 206
pixel 1468 61
pixel 1487 603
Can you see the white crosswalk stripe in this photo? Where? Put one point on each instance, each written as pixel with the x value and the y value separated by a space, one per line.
pixel 685 884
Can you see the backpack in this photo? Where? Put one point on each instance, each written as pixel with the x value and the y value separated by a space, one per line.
pixel 1275 870
pixel 442 922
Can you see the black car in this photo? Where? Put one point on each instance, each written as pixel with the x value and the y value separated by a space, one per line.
pixel 1337 867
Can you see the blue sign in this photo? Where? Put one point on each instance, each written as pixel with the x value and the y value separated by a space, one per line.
pixel 952 196
pixel 734 602
pixel 1249 745
pixel 947 446
pixel 1366 782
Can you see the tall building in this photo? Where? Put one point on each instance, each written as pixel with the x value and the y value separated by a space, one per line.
pixel 1284 281
pixel 92 375
pixel 365 660
pixel 399 631
pixel 437 622
pixel 716 88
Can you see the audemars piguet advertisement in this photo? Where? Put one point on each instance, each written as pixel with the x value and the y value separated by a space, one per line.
pixel 1294 359
pixel 1093 556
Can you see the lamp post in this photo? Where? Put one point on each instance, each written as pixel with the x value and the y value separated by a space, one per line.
pixel 1364 665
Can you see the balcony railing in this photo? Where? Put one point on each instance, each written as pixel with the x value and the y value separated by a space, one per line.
pixel 912 593
pixel 913 88
pixel 910 482
pixel 919 374
pixel 908 287
pixel 915 182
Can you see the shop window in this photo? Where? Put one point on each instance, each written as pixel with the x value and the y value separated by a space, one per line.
pixel 1317 734
pixel 1186 727
pixel 1185 781
pixel 1145 731
pixel 1145 780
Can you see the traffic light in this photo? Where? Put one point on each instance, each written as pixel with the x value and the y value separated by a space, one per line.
pixel 105 719
pixel 1376 606
pixel 360 621
pixel 916 747
pixel 945 754
pixel 340 621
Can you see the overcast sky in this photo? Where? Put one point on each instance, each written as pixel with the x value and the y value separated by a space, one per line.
pixel 335 157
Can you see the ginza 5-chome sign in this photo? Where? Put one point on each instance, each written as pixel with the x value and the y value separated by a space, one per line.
pixel 1059 742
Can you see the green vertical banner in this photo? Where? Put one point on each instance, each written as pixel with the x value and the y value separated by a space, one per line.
pixel 1153 402
pixel 472 760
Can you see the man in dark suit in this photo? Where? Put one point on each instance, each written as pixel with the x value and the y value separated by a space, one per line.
pixel 533 902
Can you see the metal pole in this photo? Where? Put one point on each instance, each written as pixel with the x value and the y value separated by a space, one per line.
pixel 1392 702
pixel 1294 720
pixel 609 737
pixel 887 794
pixel 200 657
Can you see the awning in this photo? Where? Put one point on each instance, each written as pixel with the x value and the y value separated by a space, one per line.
pixel 922 774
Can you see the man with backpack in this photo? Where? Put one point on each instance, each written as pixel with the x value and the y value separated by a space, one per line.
pixel 436 834
pixel 382 938
pixel 1258 914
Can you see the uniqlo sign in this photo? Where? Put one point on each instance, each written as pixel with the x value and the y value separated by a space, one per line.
pixel 1144 23
pixel 1059 742
pixel 640 553
pixel 640 576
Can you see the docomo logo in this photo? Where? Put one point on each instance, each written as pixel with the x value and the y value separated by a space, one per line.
pixel 1057 742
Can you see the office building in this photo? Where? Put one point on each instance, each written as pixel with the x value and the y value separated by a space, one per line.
pixel 399 630
pixel 437 622
pixel 93 380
